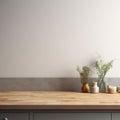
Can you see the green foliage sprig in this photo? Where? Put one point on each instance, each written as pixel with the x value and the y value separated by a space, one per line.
pixel 84 73
pixel 102 68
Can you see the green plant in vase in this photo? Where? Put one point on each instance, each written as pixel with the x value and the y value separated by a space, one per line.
pixel 102 69
pixel 84 75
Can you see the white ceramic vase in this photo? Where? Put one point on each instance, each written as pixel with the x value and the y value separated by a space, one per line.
pixel 94 88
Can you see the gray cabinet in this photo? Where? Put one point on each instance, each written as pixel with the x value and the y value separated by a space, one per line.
pixel 59 115
pixel 115 116
pixel 72 116
pixel 14 116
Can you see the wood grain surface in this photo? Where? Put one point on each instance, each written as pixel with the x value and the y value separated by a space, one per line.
pixel 58 100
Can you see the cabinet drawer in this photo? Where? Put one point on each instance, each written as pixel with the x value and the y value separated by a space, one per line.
pixel 72 116
pixel 115 116
pixel 14 116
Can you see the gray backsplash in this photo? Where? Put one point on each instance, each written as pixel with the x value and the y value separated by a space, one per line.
pixel 45 84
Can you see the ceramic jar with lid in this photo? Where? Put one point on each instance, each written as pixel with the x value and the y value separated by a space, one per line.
pixel 112 89
pixel 94 88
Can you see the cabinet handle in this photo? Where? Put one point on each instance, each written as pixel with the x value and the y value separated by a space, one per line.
pixel 5 118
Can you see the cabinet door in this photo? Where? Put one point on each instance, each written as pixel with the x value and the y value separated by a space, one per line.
pixel 115 116
pixel 14 116
pixel 72 116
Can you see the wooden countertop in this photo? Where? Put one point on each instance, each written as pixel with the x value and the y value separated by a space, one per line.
pixel 58 100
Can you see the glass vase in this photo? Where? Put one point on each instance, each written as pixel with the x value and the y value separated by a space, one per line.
pixel 102 85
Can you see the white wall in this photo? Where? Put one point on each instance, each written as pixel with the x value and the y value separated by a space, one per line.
pixel 48 38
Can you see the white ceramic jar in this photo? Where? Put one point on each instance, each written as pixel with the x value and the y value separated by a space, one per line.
pixel 94 88
pixel 112 89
